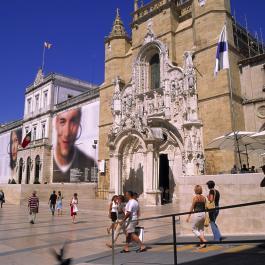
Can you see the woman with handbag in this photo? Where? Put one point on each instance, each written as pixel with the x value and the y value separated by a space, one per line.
pixel 198 206
pixel 74 208
pixel 213 202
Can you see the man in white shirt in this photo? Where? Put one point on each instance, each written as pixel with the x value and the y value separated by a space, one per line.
pixel 131 213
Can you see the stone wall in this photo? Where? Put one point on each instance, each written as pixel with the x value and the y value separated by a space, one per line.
pixel 234 189
pixel 18 194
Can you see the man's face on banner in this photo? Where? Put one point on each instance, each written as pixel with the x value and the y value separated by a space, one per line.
pixel 67 125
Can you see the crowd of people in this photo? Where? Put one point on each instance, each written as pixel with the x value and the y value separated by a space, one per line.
pixel 124 211
pixel 55 202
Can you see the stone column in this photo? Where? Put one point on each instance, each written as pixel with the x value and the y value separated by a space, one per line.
pixel 152 194
pixel 114 164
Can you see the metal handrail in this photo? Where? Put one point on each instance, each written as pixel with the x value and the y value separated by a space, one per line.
pixel 175 243
pixel 206 210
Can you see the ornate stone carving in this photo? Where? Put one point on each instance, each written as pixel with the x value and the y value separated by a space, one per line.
pixel 150 36
pixel 135 105
pixel 39 77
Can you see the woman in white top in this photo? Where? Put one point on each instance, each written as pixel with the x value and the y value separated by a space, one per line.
pixel 60 204
pixel 74 208
pixel 113 212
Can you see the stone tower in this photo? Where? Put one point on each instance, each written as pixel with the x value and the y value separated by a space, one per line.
pixel 117 60
pixel 180 27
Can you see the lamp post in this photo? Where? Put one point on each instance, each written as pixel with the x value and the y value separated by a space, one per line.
pixel 95 148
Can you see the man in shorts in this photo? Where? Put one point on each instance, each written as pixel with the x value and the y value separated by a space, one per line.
pixel 131 214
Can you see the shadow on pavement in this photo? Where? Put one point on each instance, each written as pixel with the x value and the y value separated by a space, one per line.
pixel 253 256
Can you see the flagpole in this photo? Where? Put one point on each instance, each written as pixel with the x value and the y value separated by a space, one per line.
pixel 232 103
pixel 43 57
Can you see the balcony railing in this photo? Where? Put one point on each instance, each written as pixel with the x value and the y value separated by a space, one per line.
pixel 37 143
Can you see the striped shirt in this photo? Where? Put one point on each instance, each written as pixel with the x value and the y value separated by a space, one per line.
pixel 33 202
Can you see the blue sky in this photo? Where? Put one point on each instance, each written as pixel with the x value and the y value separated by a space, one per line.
pixel 76 28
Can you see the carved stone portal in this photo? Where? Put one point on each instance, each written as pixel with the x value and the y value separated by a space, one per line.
pixel 170 111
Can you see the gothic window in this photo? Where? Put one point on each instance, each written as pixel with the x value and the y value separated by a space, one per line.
pixel 37 170
pixel 155 72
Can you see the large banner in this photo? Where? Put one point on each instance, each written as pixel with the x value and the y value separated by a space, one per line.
pixel 75 136
pixel 9 143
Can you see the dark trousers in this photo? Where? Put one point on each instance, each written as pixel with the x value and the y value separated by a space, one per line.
pixel 52 207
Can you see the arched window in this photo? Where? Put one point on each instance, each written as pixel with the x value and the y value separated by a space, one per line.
pixel 28 170
pixel 20 170
pixel 155 71
pixel 37 170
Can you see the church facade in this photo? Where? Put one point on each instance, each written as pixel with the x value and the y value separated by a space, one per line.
pixel 160 104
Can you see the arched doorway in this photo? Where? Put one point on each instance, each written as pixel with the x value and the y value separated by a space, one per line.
pixel 20 171
pixel 132 165
pixel 28 170
pixel 37 170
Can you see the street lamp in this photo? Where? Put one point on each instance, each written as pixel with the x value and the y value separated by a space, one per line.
pixel 94 146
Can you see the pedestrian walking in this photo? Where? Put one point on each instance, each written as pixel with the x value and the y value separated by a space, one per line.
pixel 59 205
pixel 120 226
pixel 214 198
pixel 33 206
pixel 2 198
pixel 131 211
pixel 198 204
pixel 113 212
pixel 74 209
pixel 52 202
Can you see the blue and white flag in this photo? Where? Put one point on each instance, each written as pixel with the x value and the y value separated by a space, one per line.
pixel 222 60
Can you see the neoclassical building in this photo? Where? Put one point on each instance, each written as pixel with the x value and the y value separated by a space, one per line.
pixel 160 104
pixel 46 98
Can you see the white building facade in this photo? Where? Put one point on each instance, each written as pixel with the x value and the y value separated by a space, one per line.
pixel 46 97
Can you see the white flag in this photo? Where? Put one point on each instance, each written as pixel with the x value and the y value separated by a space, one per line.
pixel 222 60
pixel 47 45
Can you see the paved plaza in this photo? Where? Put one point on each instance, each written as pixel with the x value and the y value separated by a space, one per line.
pixel 22 243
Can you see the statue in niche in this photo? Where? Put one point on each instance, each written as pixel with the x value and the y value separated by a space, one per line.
pixel 124 105
pixel 129 123
pixel 180 87
pixel 200 163
pixel 198 141
pixel 138 123
pixel 188 142
pixel 129 101
pixel 150 107
pixel 189 71
pixel 183 105
pixel 117 96
pixel 173 91
pixel 160 103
